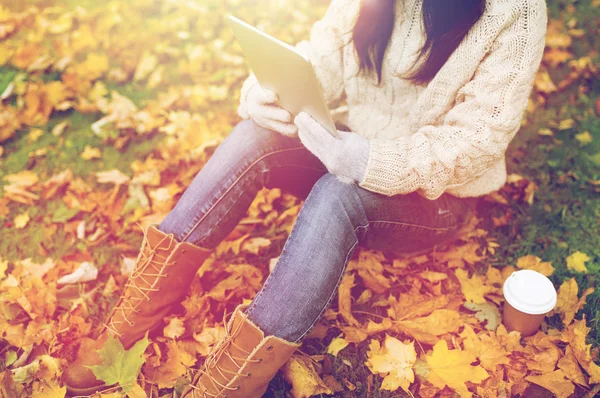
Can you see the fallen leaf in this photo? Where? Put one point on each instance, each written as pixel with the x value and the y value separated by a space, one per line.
pixel 84 273
pixel 535 263
pixel 555 382
pixel 22 220
pixel 453 368
pixel 119 365
pixel 473 288
pixel 568 302
pixel 113 176
pixel 337 344
pixel 576 262
pixel 301 373
pixel 90 153
pixel 393 362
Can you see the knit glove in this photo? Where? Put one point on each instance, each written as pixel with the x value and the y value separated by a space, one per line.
pixel 345 157
pixel 258 103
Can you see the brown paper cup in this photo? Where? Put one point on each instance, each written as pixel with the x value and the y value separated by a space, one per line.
pixel 529 296
pixel 527 324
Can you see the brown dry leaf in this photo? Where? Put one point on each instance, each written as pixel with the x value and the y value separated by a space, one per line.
pixel 555 382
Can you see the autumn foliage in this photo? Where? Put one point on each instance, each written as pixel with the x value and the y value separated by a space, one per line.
pixel 168 73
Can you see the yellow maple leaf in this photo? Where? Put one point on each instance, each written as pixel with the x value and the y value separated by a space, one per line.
pixel 94 66
pixel 48 390
pixel 433 276
pixel 535 263
pixel 473 288
pixel 584 138
pixel 572 370
pixel 337 344
pixel 568 301
pixel 555 382
pixel 485 347
pixel 174 329
pixel 345 298
pixel 426 329
pixel 178 360
pixel 393 361
pixel 90 153
pixel 21 220
pixel 453 368
pixel 575 335
pixel 304 377
pixel 576 262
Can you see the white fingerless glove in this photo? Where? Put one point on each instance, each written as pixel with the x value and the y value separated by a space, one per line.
pixel 345 157
pixel 260 104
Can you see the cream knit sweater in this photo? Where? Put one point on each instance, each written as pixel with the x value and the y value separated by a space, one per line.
pixel 450 135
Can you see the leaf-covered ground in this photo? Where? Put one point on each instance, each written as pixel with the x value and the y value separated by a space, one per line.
pixel 109 109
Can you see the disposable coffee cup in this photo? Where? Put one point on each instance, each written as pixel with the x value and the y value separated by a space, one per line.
pixel 529 296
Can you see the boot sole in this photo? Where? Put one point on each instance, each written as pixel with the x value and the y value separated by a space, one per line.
pixel 87 392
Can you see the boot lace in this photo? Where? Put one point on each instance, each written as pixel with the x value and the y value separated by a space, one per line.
pixel 151 264
pixel 213 358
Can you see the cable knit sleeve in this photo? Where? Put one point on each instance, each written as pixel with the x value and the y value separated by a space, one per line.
pixel 476 131
pixel 324 50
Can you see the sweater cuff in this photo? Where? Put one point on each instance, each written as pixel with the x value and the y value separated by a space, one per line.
pixel 246 87
pixel 379 175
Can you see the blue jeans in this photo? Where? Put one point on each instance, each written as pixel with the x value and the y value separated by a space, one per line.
pixel 334 218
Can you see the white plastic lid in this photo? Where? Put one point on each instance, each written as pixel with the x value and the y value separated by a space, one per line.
pixel 530 292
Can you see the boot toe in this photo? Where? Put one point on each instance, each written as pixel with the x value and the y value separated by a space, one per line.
pixel 80 380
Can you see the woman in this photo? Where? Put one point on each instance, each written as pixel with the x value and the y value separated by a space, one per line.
pixel 427 137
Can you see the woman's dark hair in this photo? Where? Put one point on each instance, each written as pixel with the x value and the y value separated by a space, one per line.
pixel 446 23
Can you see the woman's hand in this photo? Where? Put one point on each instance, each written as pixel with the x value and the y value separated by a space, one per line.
pixel 262 109
pixel 345 157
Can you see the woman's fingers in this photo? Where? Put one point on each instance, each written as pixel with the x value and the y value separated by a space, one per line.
pixel 268 96
pixel 276 113
pixel 288 129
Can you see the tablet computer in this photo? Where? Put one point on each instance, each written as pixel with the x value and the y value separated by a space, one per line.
pixel 283 69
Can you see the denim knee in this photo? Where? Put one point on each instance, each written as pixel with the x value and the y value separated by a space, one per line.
pixel 251 138
pixel 333 198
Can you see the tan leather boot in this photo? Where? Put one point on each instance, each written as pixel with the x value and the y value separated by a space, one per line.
pixel 161 278
pixel 243 363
